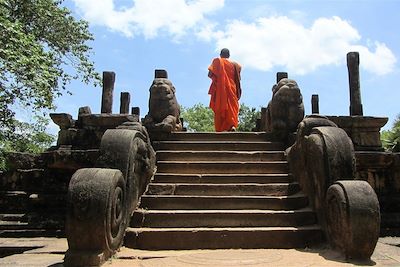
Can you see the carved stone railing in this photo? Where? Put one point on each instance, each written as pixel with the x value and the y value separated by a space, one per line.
pixel 323 161
pixel 101 200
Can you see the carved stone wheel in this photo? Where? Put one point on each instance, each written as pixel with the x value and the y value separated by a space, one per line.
pixel 353 218
pixel 95 195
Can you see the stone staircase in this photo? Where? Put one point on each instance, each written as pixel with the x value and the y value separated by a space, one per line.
pixel 33 203
pixel 222 190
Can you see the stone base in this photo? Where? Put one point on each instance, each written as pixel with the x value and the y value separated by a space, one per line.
pixel 364 131
pixel 84 258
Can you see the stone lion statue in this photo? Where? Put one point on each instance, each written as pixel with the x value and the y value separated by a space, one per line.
pixel 285 110
pixel 164 110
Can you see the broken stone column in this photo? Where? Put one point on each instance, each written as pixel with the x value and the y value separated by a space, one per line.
pixel 124 100
pixel 108 89
pixel 135 111
pixel 314 104
pixel 84 111
pixel 280 76
pixel 353 62
pixel 161 74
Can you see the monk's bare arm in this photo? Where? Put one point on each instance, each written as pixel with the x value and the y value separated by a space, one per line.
pixel 210 74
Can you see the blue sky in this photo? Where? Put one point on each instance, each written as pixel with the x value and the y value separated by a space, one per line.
pixel 308 39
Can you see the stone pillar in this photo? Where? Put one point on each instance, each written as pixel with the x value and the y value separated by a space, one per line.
pixel 161 74
pixel 353 62
pixel 124 103
pixel 135 111
pixel 314 104
pixel 108 89
pixel 280 76
pixel 84 111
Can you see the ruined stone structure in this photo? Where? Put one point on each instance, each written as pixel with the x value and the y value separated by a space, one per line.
pixel 298 182
pixel 34 199
pixel 323 161
pixel 164 110
pixel 102 199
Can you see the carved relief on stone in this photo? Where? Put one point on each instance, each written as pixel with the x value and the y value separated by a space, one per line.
pixel 323 161
pixel 101 200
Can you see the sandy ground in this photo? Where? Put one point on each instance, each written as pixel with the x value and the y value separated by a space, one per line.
pixel 50 252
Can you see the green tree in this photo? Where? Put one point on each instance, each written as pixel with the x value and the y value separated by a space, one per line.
pixel 42 49
pixel 247 118
pixel 26 137
pixel 391 138
pixel 200 118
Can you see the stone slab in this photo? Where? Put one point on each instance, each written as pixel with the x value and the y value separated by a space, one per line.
pixel 387 253
pixel 222 178
pixel 221 155
pixel 106 120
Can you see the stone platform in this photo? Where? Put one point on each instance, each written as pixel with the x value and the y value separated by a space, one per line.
pixel 50 252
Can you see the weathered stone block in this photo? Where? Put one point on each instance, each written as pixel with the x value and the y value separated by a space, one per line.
pixel 67 136
pixel 364 131
pixel 108 121
pixel 84 111
pixel 63 120
pixel 70 159
pixel 353 218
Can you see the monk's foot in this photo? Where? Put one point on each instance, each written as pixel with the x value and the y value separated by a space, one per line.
pixel 233 129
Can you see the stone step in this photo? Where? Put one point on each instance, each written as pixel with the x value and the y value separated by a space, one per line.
pixel 222 167
pixel 165 202
pixel 276 189
pixel 220 136
pixel 17 225
pixel 218 145
pixel 13 201
pixel 33 224
pixel 183 155
pixel 222 178
pixel 13 225
pixel 32 233
pixel 221 218
pixel 21 217
pixel 37 180
pixel 20 201
pixel 226 237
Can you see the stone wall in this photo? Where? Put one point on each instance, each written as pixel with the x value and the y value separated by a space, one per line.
pixel 382 171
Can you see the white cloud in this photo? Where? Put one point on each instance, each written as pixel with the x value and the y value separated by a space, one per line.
pixel 263 44
pixel 148 17
pixel 281 41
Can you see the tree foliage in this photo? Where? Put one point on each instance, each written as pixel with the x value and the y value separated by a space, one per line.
pixel 391 138
pixel 42 49
pixel 247 118
pixel 26 137
pixel 200 118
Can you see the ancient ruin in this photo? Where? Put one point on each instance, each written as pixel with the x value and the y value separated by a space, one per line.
pixel 115 180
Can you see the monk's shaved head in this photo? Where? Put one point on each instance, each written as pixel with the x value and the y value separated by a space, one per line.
pixel 225 53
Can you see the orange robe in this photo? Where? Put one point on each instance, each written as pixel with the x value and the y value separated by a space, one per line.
pixel 224 97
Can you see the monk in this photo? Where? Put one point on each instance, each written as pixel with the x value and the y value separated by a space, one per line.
pixel 225 92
